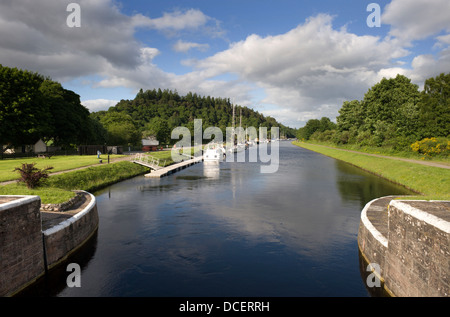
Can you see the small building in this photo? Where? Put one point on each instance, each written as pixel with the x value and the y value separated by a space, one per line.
pixel 40 147
pixel 150 144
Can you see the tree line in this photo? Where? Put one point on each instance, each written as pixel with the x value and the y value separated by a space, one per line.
pixel 393 114
pixel 157 112
pixel 34 107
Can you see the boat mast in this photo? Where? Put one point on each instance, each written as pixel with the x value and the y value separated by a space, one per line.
pixel 232 141
pixel 240 126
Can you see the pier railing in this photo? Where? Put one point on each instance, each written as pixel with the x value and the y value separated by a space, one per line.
pixel 148 160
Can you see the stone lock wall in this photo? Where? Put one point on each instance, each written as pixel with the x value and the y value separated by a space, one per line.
pixel 412 246
pixel 418 255
pixel 63 239
pixel 372 243
pixel 21 248
pixel 26 251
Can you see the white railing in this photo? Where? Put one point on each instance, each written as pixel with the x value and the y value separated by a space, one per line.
pixel 148 159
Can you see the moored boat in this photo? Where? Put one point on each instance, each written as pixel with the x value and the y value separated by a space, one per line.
pixel 213 152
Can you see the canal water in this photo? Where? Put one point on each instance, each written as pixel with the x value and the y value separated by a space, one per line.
pixel 230 231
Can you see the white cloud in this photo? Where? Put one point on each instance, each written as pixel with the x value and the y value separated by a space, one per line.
pixel 304 73
pixel 308 68
pixel 34 35
pixel 99 104
pixel 182 46
pixel 38 38
pixel 418 19
pixel 444 39
pixel 177 20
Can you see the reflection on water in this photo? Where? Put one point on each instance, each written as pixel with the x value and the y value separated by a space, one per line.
pixel 355 184
pixel 211 169
pixel 55 281
pixel 229 230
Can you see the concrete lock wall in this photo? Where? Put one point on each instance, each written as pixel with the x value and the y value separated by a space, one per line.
pixel 412 247
pixel 26 251
pixel 21 251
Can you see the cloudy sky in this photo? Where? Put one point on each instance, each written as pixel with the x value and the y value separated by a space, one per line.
pixel 294 60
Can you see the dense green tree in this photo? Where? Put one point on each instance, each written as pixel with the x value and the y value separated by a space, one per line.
pixel 68 118
pixel 158 128
pixel 98 133
pixel 434 107
pixel 387 115
pixel 120 128
pixel 23 115
pixel 33 107
pixel 315 125
pixel 350 116
pixel 326 124
pixel 391 102
pixel 311 126
pixel 122 134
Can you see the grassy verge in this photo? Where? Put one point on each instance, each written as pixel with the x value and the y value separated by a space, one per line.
pixel 432 183
pixel 59 163
pixel 383 151
pixel 49 195
pixel 58 188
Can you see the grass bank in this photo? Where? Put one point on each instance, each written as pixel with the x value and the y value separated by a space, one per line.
pixel 433 183
pixel 58 188
pixel 59 163
pixel 386 151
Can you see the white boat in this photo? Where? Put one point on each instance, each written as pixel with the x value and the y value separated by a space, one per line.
pixel 241 147
pixel 213 152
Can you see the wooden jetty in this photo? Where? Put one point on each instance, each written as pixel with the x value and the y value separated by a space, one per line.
pixel 164 171
pixel 159 171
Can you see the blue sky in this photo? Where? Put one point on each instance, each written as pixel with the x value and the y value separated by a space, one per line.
pixel 293 60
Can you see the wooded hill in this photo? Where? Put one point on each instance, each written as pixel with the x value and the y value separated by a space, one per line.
pixel 34 107
pixel 157 112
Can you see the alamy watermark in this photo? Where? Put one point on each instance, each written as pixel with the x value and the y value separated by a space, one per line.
pixel 373 279
pixel 74 18
pixel 263 153
pixel 374 18
pixel 74 278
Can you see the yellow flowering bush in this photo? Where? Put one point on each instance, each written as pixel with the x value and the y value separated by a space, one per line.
pixel 430 147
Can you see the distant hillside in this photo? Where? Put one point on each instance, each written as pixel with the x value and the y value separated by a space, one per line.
pixel 157 112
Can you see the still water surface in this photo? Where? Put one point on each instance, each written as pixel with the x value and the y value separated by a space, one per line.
pixel 231 231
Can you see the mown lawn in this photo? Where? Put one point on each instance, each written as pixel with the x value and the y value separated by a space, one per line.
pixel 59 163
pixel 432 183
pixel 58 188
